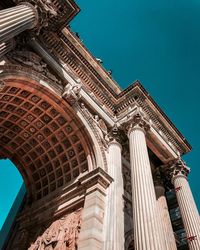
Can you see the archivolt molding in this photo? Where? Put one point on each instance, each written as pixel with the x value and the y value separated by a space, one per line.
pixel 98 135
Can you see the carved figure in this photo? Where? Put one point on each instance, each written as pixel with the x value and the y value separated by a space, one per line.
pixel 72 92
pixel 61 235
pixel 27 58
pixel 36 245
pixel 102 129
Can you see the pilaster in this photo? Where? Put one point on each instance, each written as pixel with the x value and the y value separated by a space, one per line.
pixel 92 226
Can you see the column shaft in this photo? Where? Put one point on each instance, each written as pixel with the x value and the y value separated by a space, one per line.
pixel 16 20
pixel 189 212
pixel 166 225
pixel 6 47
pixel 146 228
pixel 114 238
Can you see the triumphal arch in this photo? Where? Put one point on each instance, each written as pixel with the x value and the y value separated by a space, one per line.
pixel 102 166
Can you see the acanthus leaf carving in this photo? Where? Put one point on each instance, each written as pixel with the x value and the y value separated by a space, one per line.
pixel 137 119
pixel 176 168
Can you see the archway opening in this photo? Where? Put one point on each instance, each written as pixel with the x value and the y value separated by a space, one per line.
pixel 42 136
pixel 11 182
pixel 12 193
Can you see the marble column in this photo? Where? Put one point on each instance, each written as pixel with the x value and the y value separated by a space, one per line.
pixel 146 228
pixel 115 205
pixel 165 222
pixel 188 209
pixel 16 20
pixel 6 47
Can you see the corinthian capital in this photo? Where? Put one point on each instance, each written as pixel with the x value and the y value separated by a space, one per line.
pixel 44 9
pixel 137 120
pixel 177 168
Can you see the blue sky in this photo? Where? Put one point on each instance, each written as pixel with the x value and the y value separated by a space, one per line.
pixel 157 42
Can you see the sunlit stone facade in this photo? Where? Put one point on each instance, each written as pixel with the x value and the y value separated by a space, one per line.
pixel 102 166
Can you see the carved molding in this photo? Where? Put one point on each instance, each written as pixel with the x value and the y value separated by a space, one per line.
pixel 96 126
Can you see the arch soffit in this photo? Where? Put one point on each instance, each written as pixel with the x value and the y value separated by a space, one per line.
pixel 50 144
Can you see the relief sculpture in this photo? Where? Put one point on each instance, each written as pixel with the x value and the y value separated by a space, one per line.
pixel 61 235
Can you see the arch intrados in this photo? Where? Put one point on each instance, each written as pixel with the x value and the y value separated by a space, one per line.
pixel 64 110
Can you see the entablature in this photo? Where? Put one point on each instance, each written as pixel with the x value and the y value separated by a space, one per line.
pixel 73 62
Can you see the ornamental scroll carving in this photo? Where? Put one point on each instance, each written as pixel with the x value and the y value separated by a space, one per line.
pixel 61 235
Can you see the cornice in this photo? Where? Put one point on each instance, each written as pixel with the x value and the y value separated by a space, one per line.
pixel 117 105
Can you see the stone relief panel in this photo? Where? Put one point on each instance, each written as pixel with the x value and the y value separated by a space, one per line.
pixel 62 234
pixel 31 60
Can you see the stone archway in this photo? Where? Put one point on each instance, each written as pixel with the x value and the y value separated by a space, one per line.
pixel 42 136
pixel 47 141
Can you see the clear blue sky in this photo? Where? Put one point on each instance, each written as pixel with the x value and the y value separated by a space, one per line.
pixel 157 42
